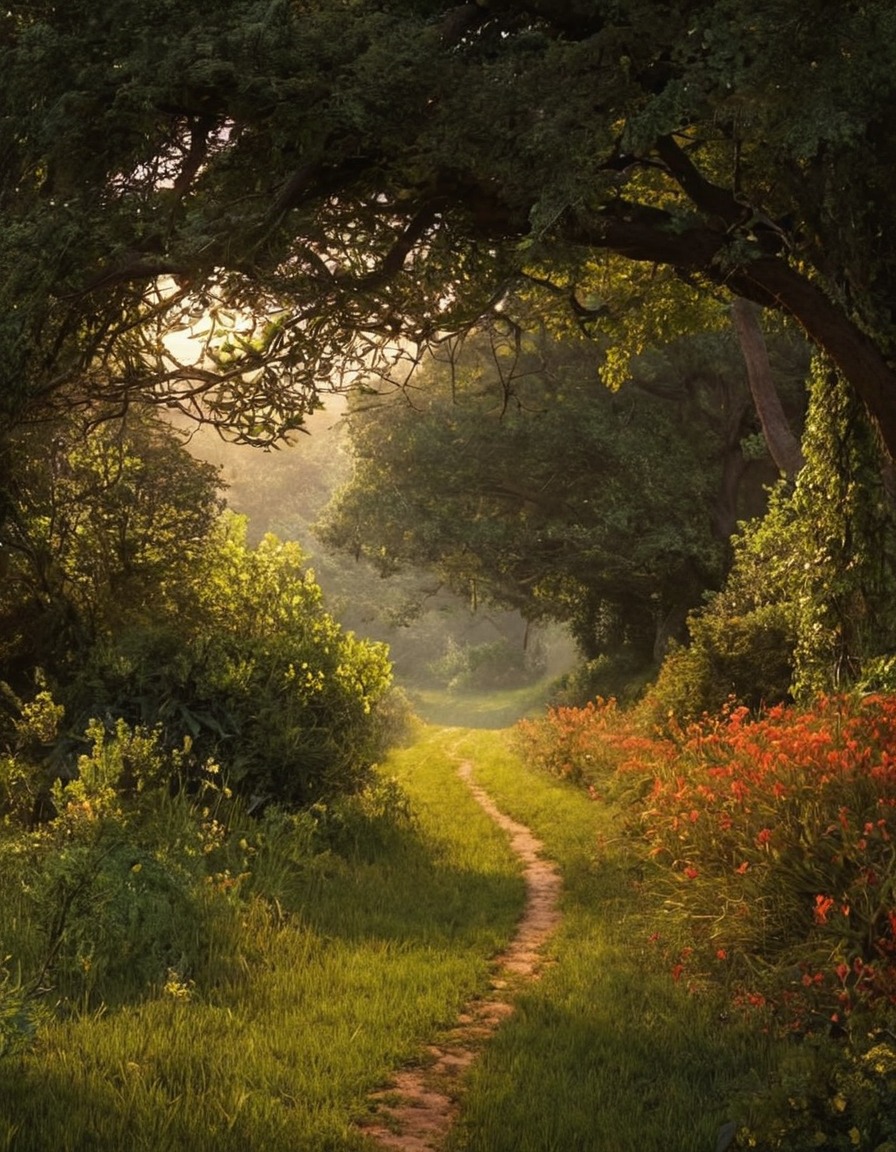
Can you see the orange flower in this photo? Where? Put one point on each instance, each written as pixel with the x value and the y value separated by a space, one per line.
pixel 823 905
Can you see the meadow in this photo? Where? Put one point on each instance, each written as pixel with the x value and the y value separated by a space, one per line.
pixel 194 977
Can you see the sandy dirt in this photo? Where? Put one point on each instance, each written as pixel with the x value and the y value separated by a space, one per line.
pixel 415 1112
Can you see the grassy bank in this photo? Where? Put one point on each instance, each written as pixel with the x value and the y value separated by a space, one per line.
pixel 331 969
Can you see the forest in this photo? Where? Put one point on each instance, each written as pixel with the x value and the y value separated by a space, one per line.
pixel 417 416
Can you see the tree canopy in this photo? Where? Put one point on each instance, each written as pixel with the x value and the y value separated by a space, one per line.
pixel 305 181
pixel 517 480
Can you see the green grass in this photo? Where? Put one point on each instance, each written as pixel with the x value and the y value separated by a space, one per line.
pixel 363 959
pixel 369 958
pixel 496 709
pixel 606 1053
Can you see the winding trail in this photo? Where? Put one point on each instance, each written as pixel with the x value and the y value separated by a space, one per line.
pixel 416 1111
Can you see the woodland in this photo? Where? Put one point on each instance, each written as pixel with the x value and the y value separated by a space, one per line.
pixel 595 300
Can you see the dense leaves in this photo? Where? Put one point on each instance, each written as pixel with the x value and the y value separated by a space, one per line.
pixel 522 481
pixel 808 604
pixel 133 598
pixel 349 171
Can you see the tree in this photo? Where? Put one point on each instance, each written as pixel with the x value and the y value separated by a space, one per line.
pixel 522 484
pixel 109 518
pixel 308 182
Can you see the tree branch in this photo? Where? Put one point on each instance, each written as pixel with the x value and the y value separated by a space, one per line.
pixel 643 233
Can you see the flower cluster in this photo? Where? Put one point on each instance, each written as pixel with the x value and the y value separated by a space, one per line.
pixel 773 840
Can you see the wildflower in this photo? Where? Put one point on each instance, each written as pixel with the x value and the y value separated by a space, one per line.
pixel 823 905
pixel 763 837
pixel 691 873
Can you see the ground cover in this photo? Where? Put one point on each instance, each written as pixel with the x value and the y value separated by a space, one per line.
pixel 498 708
pixel 357 933
pixel 312 996
pixel 766 845
pixel 606 1051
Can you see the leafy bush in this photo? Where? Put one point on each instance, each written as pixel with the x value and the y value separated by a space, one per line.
pixel 142 602
pixel 808 603
pixel 584 745
pixel 498 664
pixel 621 676
pixel 743 640
pixel 839 1098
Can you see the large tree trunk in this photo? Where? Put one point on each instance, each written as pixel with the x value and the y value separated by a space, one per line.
pixel 783 446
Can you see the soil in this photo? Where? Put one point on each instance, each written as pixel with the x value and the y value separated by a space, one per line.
pixel 415 1112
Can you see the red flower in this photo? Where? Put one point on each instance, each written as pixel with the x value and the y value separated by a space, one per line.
pixel 823 905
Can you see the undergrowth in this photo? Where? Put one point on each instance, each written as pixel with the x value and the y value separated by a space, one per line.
pixel 180 974
pixel 768 843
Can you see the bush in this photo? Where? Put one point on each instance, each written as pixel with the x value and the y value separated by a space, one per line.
pixel 498 664
pixel 621 676
pixel 776 841
pixel 141 601
pixel 743 641
pixel 583 745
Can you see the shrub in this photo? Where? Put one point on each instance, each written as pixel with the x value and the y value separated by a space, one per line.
pixel 776 839
pixel 743 640
pixel 583 745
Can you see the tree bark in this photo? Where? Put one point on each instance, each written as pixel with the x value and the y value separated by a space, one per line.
pixel 783 446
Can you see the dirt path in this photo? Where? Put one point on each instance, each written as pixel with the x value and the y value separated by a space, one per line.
pixel 416 1111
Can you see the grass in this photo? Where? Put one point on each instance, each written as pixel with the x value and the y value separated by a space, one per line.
pixel 366 957
pixel 497 708
pixel 606 1053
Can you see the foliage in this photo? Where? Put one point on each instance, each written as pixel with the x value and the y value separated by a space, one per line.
pixel 584 745
pixel 605 1049
pixel 494 664
pixel 770 843
pixel 323 967
pixel 107 520
pixel 301 183
pixel 743 641
pixel 843 575
pixel 140 601
pixel 521 481
pixel 807 604
pixel 100 906
pixel 824 1097
pixel 772 838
